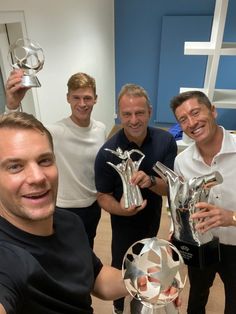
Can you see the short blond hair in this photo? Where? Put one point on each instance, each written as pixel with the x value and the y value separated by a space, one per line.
pixel 81 80
pixel 23 121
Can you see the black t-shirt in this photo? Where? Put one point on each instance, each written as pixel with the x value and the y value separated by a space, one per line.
pixel 47 275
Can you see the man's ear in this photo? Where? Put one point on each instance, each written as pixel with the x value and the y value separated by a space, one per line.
pixel 214 111
pixel 150 111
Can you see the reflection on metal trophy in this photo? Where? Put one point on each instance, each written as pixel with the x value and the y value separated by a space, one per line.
pixel 132 194
pixel 27 55
pixel 152 277
pixel 198 249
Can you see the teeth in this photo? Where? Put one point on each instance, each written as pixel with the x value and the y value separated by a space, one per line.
pixel 196 130
pixel 35 196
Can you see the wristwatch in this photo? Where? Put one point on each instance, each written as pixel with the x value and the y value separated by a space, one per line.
pixel 153 181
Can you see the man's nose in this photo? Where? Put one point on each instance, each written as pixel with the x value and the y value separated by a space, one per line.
pixel 133 118
pixel 82 101
pixel 34 174
pixel 191 121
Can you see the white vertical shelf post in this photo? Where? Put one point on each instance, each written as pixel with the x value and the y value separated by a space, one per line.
pixel 222 98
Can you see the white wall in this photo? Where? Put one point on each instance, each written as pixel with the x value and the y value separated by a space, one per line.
pixel 76 35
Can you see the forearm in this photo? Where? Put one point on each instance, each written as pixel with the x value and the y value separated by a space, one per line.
pixel 109 203
pixel 109 284
pixel 160 188
pixel 15 92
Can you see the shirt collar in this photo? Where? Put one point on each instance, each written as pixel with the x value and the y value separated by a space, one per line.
pixel 228 145
pixel 129 144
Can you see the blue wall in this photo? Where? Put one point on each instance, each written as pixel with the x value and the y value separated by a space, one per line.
pixel 149 47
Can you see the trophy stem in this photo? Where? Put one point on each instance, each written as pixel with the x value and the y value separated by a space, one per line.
pixel 30 81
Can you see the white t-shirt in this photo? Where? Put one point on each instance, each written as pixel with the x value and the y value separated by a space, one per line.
pixel 75 149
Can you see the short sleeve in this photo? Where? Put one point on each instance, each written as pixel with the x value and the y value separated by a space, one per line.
pixel 97 264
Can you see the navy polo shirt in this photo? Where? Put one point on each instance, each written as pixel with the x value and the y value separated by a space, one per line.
pixel 159 145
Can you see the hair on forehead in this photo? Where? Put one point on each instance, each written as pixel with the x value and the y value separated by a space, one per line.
pixel 134 90
pixel 24 121
pixel 81 80
pixel 194 94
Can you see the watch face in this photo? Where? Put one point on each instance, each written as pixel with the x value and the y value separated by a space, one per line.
pixel 153 180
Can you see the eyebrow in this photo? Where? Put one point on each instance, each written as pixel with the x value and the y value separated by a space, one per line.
pixel 14 160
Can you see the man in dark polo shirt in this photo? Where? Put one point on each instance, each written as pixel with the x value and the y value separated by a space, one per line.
pixel 134 223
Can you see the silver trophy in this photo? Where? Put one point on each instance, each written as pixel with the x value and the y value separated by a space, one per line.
pixel 152 277
pixel 198 249
pixel 126 169
pixel 27 55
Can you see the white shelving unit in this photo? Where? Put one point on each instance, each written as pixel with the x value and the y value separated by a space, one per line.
pixel 222 98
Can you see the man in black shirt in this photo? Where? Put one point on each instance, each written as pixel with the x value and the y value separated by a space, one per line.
pixel 46 264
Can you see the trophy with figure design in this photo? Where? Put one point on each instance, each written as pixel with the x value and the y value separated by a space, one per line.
pixel 127 167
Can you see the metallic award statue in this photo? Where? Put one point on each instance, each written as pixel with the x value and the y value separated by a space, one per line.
pixel 198 249
pixel 132 194
pixel 27 55
pixel 153 278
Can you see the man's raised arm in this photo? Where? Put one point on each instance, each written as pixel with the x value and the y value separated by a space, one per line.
pixel 15 92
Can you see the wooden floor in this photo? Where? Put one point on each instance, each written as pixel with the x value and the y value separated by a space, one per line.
pixel 102 249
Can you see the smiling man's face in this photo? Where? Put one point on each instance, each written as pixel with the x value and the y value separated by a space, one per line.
pixel 197 120
pixel 81 101
pixel 134 113
pixel 28 178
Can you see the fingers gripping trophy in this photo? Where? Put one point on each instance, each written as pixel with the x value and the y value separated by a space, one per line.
pixel 27 55
pixel 153 277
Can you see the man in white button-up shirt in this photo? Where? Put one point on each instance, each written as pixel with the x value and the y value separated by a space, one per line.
pixel 213 149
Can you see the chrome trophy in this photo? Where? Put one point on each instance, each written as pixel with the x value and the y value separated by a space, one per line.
pixel 27 55
pixel 153 278
pixel 132 194
pixel 198 249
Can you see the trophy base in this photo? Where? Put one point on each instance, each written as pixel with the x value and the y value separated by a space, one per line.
pixel 30 81
pixel 134 306
pixel 199 256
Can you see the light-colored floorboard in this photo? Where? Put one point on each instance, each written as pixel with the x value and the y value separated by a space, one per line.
pixel 102 249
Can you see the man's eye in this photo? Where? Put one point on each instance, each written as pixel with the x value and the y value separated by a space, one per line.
pixel 88 98
pixel 140 113
pixel 47 162
pixel 14 168
pixel 182 120
pixel 126 114
pixel 195 113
